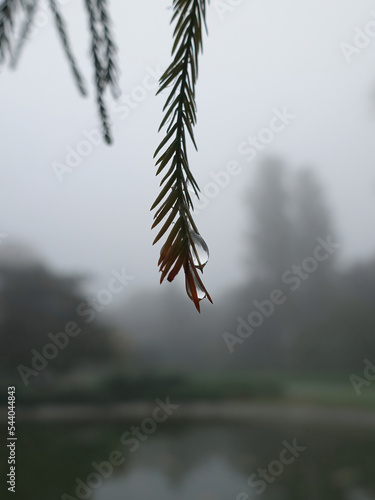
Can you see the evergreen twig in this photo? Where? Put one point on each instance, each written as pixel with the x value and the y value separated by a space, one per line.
pixel 7 11
pixel 174 201
pixel 110 49
pixel 96 45
pixel 31 9
pixel 61 28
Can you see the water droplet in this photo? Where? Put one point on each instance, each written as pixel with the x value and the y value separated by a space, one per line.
pixel 199 251
pixel 200 292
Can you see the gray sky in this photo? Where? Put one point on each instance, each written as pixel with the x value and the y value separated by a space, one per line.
pixel 260 56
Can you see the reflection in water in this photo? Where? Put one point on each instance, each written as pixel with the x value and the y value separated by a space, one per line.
pixel 211 480
pixel 196 462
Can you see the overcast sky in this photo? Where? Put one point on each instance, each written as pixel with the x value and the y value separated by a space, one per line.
pixel 260 55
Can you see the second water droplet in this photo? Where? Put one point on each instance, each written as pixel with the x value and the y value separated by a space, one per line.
pixel 200 293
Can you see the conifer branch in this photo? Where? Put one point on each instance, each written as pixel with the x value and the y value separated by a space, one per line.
pixel 31 9
pixel 183 246
pixel 61 28
pixel 100 70
pixel 7 11
pixel 110 49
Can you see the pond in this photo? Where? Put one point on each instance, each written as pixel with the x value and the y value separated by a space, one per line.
pixel 193 461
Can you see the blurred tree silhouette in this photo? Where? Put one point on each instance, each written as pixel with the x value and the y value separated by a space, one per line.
pixel 271 228
pixel 312 218
pixel 33 303
pixel 342 335
pixel 287 213
pixel 328 323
